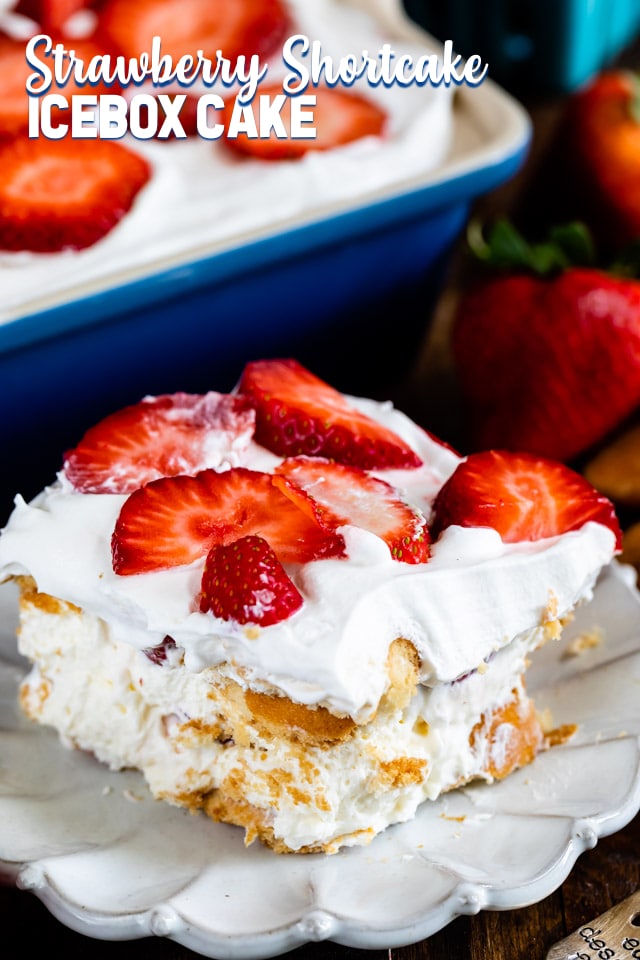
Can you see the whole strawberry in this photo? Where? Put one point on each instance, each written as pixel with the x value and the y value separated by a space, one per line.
pixel 601 141
pixel 547 362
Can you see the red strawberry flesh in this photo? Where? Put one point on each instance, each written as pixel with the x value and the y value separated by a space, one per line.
pixel 339 116
pixel 522 496
pixel 297 414
pixel 600 139
pixel 350 495
pixel 65 194
pixel 159 437
pixel 550 366
pixel 177 520
pixel 244 581
pixel 234 27
pixel 51 15
pixel 15 71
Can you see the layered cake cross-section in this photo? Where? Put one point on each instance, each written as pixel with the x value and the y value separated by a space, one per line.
pixel 294 609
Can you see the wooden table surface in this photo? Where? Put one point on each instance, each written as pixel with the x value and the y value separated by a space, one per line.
pixel 600 878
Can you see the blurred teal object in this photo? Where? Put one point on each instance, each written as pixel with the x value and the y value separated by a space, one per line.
pixel 537 45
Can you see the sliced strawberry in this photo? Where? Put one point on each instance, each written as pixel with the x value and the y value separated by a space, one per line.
pixel 244 581
pixel 65 194
pixel 350 495
pixel 299 414
pixel 522 496
pixel 51 15
pixel 159 437
pixel 176 520
pixel 14 72
pixel 339 117
pixel 160 653
pixel 235 27
pixel 14 104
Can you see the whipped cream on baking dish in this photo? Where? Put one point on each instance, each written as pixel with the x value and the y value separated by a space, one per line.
pixel 474 596
pixel 201 198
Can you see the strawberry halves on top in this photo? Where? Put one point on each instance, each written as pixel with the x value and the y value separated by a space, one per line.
pixel 244 581
pixel 522 496
pixel 297 413
pixel 177 520
pixel 160 437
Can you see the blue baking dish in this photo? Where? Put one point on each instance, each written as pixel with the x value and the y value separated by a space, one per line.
pixel 543 45
pixel 349 294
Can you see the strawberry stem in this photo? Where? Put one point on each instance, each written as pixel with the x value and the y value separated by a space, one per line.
pixel 505 248
pixel 627 262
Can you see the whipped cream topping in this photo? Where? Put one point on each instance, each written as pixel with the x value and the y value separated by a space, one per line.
pixel 202 198
pixel 474 596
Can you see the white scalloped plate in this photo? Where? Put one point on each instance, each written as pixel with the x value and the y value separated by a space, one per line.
pixel 112 863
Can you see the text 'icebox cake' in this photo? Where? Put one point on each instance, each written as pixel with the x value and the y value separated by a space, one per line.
pixel 222 257
pixel 296 610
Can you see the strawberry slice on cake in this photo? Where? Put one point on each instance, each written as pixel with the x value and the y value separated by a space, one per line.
pixel 52 16
pixel 522 496
pixel 233 27
pixel 244 581
pixel 15 71
pixel 339 116
pixel 160 437
pixel 176 520
pixel 65 194
pixel 350 495
pixel 297 413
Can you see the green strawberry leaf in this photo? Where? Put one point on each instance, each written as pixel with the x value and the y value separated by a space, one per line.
pixel 627 261
pixel 505 248
pixel 576 241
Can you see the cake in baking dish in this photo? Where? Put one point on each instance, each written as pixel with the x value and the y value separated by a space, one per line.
pixel 296 610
